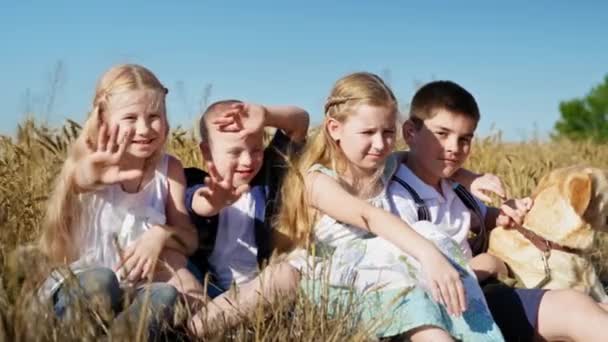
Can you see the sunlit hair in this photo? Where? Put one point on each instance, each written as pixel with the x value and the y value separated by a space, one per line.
pixel 295 220
pixel 446 95
pixel 213 110
pixel 64 209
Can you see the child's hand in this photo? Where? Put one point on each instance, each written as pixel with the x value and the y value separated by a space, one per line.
pixel 101 164
pixel 220 191
pixel 138 261
pixel 487 183
pixel 444 283
pixel 244 118
pixel 513 212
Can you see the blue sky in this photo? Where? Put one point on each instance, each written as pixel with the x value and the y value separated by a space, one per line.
pixel 520 59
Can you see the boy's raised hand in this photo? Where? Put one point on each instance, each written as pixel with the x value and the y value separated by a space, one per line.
pixel 513 212
pixel 220 191
pixel 101 165
pixel 487 183
pixel 230 120
pixel 244 118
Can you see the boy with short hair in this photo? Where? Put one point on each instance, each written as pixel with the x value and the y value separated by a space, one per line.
pixel 234 203
pixel 439 131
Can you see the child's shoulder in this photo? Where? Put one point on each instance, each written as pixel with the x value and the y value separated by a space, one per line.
pixel 172 162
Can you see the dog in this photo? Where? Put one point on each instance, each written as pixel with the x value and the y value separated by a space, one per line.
pixel 552 249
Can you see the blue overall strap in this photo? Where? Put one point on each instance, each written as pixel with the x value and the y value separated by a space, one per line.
pixel 478 243
pixel 423 211
pixel 262 223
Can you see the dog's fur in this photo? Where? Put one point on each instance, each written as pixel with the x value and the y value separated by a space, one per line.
pixel 570 207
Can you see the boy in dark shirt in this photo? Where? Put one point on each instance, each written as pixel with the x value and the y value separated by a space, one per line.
pixel 233 205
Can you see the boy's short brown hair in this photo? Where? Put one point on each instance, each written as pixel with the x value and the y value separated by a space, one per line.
pixel 212 110
pixel 445 95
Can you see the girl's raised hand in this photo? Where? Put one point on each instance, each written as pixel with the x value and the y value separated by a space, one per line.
pixel 230 120
pixel 101 165
pixel 220 191
pixel 444 282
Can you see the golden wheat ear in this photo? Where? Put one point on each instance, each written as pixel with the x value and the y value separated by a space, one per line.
pixel 577 188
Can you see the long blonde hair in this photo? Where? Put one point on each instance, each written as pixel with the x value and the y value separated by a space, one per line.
pixel 64 210
pixel 295 220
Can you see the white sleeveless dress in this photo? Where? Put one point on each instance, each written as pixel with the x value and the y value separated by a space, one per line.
pixel 112 216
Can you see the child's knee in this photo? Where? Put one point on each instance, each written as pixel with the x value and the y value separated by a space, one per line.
pixel 578 305
pixel 163 295
pixel 287 276
pixel 428 333
pixel 570 299
pixel 101 277
pixel 101 281
pixel 99 287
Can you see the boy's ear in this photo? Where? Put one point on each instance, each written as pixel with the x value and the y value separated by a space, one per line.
pixel 334 128
pixel 409 131
pixel 205 151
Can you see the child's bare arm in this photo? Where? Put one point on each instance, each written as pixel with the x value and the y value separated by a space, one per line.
pixel 184 237
pixel 480 184
pixel 328 196
pixel 292 120
pixel 250 117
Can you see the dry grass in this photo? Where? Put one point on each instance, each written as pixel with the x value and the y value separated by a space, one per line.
pixel 30 161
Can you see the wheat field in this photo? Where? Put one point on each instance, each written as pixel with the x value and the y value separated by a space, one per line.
pixel 30 160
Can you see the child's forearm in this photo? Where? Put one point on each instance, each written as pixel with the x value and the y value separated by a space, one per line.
pixel 398 232
pixel 329 197
pixel 183 240
pixel 291 119
pixel 201 206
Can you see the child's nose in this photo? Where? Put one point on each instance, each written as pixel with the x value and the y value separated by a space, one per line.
pixel 246 159
pixel 378 142
pixel 452 144
pixel 141 127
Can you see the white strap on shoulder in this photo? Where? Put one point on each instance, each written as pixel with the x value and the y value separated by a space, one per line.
pixel 163 166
